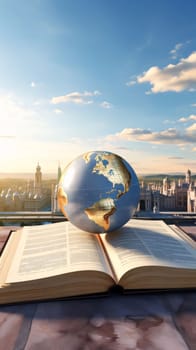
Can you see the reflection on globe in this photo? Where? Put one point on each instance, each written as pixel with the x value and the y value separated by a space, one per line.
pixel 98 192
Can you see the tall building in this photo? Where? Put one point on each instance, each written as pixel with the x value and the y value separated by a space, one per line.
pixel 38 181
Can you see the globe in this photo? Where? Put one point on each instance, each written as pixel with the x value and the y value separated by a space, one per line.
pixel 98 191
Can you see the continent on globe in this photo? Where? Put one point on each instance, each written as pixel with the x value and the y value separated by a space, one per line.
pixel 101 211
pixel 112 167
pixel 98 191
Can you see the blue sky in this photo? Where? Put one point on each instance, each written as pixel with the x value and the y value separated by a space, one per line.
pixel 116 75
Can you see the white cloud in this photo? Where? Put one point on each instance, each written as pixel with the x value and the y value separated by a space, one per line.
pixel 106 105
pixel 190 118
pixel 192 130
pixel 193 105
pixel 179 77
pixel 182 120
pixel 167 121
pixel 131 83
pixel 58 111
pixel 176 49
pixel 167 136
pixel 33 84
pixel 76 97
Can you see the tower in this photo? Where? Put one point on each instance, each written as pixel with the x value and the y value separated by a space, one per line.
pixel 59 173
pixel 38 180
pixel 188 177
pixel 166 186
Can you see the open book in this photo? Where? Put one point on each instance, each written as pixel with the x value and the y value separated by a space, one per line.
pixel 59 260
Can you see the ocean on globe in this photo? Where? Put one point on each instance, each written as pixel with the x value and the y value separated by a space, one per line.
pixel 98 191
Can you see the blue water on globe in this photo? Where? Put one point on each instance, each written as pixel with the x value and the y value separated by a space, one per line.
pixel 98 191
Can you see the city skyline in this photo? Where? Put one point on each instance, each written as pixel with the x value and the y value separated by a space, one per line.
pixel 107 75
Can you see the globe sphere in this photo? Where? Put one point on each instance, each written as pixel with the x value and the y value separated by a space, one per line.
pixel 98 191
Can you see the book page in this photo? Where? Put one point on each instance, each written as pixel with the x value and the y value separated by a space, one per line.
pixel 147 243
pixel 184 235
pixel 53 249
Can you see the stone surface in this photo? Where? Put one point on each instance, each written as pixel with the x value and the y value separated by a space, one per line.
pixel 158 321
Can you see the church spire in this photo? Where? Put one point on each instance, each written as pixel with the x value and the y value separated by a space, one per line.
pixel 188 177
pixel 38 179
pixel 59 172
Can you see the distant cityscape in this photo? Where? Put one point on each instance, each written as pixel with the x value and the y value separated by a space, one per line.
pixel 157 193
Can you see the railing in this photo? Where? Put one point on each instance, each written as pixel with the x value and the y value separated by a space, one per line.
pixel 35 217
pixel 29 217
